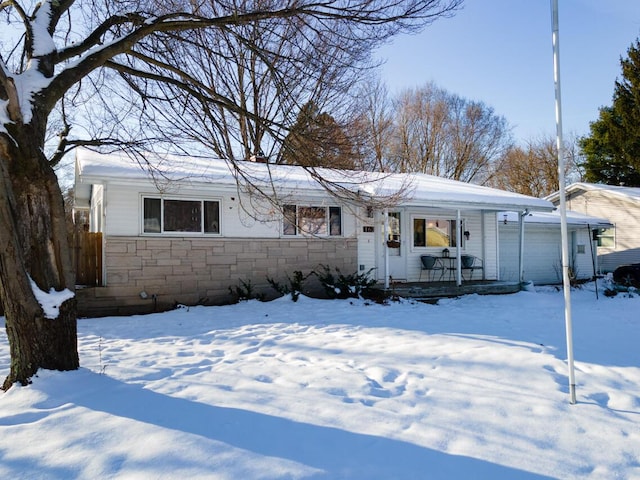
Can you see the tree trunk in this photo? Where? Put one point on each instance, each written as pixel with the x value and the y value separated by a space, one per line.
pixel 34 247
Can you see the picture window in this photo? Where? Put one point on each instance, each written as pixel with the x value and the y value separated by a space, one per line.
pixel 434 232
pixel 180 216
pixel 312 220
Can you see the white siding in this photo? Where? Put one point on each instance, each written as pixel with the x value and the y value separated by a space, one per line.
pixel 481 243
pixel 583 262
pixel 491 246
pixel 96 223
pixel 124 211
pixel 366 244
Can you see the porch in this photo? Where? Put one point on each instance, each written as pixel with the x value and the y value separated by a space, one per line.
pixel 432 291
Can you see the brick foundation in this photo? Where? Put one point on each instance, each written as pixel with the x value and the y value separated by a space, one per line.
pixel 201 270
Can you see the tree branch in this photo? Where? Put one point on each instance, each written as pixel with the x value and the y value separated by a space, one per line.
pixel 28 31
pixel 144 27
pixel 369 14
pixel 58 8
pixel 191 85
pixel 95 37
pixel 8 91
pixel 182 85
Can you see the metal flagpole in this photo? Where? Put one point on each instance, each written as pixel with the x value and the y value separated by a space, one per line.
pixel 563 204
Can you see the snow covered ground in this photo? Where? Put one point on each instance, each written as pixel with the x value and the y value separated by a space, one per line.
pixel 471 388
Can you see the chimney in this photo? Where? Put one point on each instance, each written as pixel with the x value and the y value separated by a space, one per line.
pixel 259 158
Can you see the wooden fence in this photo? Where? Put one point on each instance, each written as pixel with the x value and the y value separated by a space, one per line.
pixel 87 258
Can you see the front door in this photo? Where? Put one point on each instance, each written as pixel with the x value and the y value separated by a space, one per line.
pixel 396 245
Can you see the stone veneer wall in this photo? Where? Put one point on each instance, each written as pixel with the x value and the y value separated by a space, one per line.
pixel 201 270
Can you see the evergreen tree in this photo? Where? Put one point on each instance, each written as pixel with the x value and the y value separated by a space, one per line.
pixel 317 140
pixel 612 150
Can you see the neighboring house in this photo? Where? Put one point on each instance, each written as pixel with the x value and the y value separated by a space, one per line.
pixel 186 232
pixel 542 246
pixel 619 244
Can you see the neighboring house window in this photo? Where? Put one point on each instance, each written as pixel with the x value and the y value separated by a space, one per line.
pixel 311 220
pixel 606 237
pixel 175 216
pixel 434 232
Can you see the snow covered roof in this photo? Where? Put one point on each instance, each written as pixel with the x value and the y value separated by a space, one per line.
pixel 418 189
pixel 630 193
pixel 553 218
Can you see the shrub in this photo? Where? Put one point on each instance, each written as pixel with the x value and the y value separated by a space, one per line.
pixel 294 287
pixel 245 291
pixel 339 285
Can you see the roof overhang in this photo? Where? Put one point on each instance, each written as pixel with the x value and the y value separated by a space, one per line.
pixel 547 219
pixel 412 189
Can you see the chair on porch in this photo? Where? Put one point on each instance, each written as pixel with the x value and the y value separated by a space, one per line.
pixel 431 264
pixel 471 263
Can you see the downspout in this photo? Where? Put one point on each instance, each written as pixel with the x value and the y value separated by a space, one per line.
pixel 483 240
pixel 386 248
pixel 459 249
pixel 497 249
pixel 521 246
pixel 594 249
pixel 104 234
pixel 594 258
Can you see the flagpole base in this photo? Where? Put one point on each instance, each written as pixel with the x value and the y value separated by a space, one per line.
pixel 572 394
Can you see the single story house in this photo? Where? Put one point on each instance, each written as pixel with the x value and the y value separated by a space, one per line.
pixel 542 246
pixel 190 228
pixel 620 243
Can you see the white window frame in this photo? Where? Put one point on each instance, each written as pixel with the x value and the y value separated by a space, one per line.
pixel 299 232
pixel 612 236
pixel 445 218
pixel 162 231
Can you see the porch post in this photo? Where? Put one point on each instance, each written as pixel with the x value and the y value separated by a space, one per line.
pixel 459 249
pixel 521 246
pixel 386 248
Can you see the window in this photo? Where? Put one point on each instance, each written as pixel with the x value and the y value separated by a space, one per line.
pixel 180 216
pixel 434 232
pixel 311 220
pixel 290 221
pixel 419 235
pixel 606 237
pixel 335 221
pixel 394 227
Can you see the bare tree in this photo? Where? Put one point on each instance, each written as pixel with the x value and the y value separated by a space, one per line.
pixel 372 125
pixel 55 55
pixel 533 169
pixel 431 130
pixel 478 140
pixel 422 131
